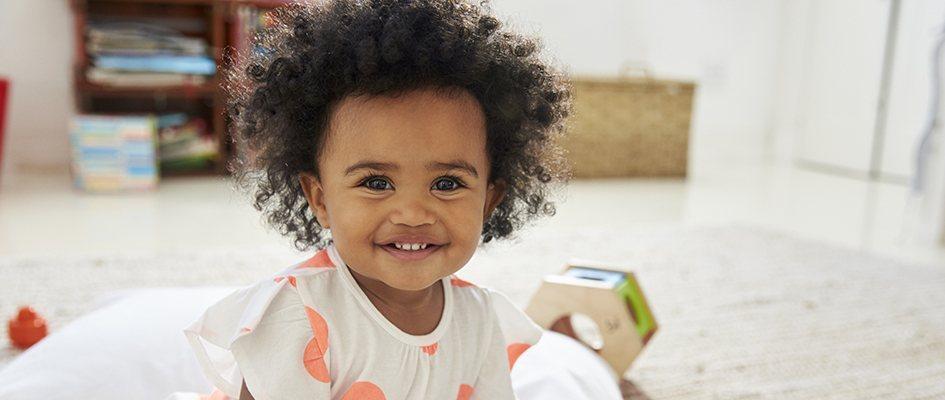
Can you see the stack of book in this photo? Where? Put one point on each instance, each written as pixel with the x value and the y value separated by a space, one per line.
pixel 184 143
pixel 141 54
pixel 112 152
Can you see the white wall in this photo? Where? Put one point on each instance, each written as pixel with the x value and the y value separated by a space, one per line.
pixel 828 96
pixel 841 82
pixel 36 55
pixel 921 23
pixel 729 47
pixel 789 72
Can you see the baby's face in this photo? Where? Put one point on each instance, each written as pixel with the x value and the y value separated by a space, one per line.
pixel 414 194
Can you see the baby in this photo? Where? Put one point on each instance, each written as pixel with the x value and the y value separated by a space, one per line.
pixel 390 136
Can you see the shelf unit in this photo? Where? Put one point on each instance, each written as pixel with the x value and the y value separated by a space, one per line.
pixel 213 20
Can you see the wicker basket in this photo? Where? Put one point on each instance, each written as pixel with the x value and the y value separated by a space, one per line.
pixel 629 127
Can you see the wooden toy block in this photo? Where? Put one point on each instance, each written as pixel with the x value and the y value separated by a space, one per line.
pixel 611 298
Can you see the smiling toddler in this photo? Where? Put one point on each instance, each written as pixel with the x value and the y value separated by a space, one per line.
pixel 394 139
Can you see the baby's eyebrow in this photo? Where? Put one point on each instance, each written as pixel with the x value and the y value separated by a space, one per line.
pixel 432 166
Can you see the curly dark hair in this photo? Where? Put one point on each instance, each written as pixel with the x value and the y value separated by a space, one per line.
pixel 317 53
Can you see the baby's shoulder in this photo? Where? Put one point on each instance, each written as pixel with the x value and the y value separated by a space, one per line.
pixel 319 264
pixel 310 274
pixel 274 299
pixel 471 298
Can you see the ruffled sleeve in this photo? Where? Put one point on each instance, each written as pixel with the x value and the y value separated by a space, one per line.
pixel 511 333
pixel 264 335
pixel 518 330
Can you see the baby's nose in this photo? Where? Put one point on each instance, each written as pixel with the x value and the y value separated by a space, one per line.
pixel 412 210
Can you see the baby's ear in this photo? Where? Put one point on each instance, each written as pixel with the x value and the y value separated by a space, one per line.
pixel 494 195
pixel 315 197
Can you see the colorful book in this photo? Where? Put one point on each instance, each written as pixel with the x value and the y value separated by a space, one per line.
pixel 111 152
pixel 199 65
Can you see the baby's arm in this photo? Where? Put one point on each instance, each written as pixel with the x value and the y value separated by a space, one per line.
pixel 244 393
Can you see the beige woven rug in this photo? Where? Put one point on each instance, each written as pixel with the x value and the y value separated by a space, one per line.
pixel 744 312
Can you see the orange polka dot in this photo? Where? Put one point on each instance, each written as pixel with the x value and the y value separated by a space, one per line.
pixel 460 283
pixel 465 392
pixel 515 350
pixel 279 279
pixel 215 395
pixel 319 260
pixel 314 361
pixel 364 390
pixel 313 357
pixel 246 329
pixel 292 281
pixel 430 349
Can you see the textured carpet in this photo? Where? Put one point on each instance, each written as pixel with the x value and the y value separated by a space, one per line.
pixel 744 312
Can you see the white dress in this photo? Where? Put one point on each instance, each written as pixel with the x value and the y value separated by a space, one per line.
pixel 310 332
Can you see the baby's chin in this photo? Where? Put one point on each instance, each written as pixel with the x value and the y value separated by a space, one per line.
pixel 412 284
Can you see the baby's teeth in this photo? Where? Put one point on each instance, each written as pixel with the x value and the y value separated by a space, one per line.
pixel 414 246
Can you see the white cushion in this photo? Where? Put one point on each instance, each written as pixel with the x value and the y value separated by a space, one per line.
pixel 130 347
pixel 558 367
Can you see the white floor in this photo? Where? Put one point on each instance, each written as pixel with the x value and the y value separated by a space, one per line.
pixel 42 214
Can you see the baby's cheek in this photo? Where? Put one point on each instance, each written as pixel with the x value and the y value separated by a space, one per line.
pixel 469 221
pixel 464 237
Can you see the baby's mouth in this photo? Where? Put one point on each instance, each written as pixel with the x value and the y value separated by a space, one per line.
pixel 428 247
pixel 411 255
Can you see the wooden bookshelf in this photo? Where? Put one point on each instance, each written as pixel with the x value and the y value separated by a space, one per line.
pixel 212 20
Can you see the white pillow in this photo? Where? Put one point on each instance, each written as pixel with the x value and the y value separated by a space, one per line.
pixel 559 367
pixel 132 347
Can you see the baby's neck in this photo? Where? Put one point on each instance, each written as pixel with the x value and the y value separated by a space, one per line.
pixel 416 312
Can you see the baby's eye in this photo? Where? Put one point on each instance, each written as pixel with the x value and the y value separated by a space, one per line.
pixel 451 183
pixel 367 182
pixel 450 179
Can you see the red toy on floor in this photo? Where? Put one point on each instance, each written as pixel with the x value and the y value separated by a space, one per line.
pixel 26 328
